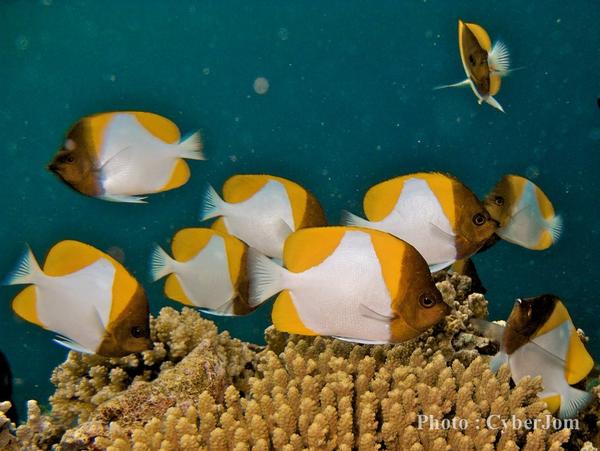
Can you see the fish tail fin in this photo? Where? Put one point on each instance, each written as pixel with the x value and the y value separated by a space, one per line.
pixel 191 147
pixel 556 226
pixel 212 204
pixel 499 58
pixel 27 271
pixel 350 219
pixel 460 84
pixel 493 102
pixel 265 277
pixel 573 401
pixel 160 263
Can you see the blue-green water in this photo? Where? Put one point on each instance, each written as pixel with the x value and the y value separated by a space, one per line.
pixel 350 104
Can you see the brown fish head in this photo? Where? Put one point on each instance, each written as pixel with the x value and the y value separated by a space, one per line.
pixel 74 164
pixel 130 332
pixel 526 318
pixel 474 57
pixel 420 304
pixel 501 200
pixel 474 225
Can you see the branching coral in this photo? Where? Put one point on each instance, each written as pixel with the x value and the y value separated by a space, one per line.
pixel 201 390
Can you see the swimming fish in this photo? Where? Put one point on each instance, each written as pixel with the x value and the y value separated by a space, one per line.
pixel 434 212
pixel 525 214
pixel 208 271
pixel 541 340
pixel 359 285
pixel 262 210
pixel 86 297
pixel 484 65
pixel 6 388
pixel 119 156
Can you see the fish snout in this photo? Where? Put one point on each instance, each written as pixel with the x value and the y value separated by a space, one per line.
pixel 53 167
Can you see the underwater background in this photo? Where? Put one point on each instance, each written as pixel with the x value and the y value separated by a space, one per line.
pixel 350 103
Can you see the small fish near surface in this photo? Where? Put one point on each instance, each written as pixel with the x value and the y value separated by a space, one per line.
pixel 355 284
pixel 121 156
pixel 208 271
pixel 540 340
pixel 525 213
pixel 262 210
pixel 86 297
pixel 436 213
pixel 484 64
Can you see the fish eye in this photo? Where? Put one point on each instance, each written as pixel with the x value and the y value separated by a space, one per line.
pixel 499 200
pixel 138 332
pixel 426 301
pixel 479 219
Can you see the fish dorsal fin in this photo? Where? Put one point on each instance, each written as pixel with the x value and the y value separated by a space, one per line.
pixel 381 199
pixel 236 256
pixel 220 226
pixel 481 35
pixel 159 126
pixel 242 187
pixel 25 305
pixel 174 290
pixel 285 316
pixel 179 176
pixel 393 254
pixel 495 82
pixel 557 318
pixel 300 252
pixel 187 243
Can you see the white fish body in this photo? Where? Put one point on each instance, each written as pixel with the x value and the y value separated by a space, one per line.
pixel 205 278
pixel 418 219
pixel 85 294
pixel 262 221
pixel 133 161
pixel 331 297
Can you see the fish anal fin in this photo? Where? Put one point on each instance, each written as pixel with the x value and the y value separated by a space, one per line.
pixel 579 361
pixel 174 290
pixel 495 83
pixel 25 305
pixel 552 402
pixel 285 316
pixel 219 225
pixel 300 254
pixel 159 126
pixel 179 176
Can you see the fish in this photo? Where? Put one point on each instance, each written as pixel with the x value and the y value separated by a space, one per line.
pixel 120 156
pixel 434 212
pixel 86 297
pixel 262 210
pixel 6 380
pixel 484 64
pixel 354 284
pixel 540 340
pixel 525 214
pixel 208 271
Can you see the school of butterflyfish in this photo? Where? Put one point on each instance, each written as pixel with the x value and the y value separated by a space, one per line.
pixel 367 280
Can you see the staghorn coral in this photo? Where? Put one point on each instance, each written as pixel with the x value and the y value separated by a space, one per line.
pixel 299 393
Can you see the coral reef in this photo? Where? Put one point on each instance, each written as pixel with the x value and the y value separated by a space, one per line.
pixel 198 389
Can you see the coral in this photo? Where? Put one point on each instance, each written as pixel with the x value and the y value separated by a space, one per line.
pixel 7 439
pixel 198 389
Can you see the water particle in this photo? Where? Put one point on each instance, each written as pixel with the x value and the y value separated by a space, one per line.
pixel 532 172
pixel 233 158
pixel 261 85
pixel 22 42
pixel 47 2
pixel 206 71
pixel 283 34
pixel 595 134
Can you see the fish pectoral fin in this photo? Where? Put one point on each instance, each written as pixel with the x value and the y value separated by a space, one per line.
pixel 441 233
pixel 361 341
pixel 225 309
pixel 369 312
pixel 72 345
pixel 112 157
pixel 439 266
pixel 460 84
pixel 123 198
